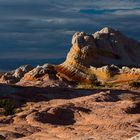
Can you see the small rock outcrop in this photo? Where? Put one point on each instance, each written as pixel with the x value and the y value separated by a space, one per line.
pixel 43 76
pixel 15 75
pixel 41 72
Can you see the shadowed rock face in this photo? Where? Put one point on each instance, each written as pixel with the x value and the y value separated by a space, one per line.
pixel 104 47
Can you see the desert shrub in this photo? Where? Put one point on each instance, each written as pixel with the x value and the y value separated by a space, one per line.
pixel 93 77
pixel 8 105
pixel 92 83
pixel 110 85
pixel 84 86
pixel 96 83
pixel 134 84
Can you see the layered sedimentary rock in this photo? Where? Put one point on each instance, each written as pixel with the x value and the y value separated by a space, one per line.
pixel 15 75
pixel 106 55
pixel 104 47
pixel 42 76
pixel 94 54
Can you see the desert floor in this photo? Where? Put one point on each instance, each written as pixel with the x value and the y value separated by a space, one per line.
pixel 70 114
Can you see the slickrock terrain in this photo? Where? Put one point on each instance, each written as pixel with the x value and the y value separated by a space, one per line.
pixel 68 114
pixel 93 95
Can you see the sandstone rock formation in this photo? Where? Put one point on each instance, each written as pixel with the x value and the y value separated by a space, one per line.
pixel 42 76
pixel 106 55
pixel 15 75
pixel 45 71
pixel 44 113
pixel 97 54
pixel 104 47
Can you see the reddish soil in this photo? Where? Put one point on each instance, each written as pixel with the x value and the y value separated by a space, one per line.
pixel 70 114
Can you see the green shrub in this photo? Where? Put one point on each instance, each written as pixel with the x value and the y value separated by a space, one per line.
pixel 134 84
pixel 85 86
pixel 109 85
pixel 8 105
pixel 96 83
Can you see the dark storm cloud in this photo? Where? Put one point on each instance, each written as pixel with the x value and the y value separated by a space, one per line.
pixel 39 28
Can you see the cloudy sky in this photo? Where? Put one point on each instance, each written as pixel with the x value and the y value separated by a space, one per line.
pixel 42 29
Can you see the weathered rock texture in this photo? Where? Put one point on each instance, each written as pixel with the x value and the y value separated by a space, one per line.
pixel 106 55
pixel 104 47
pixel 68 114
pixel 94 54
pixel 15 75
pixel 41 76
